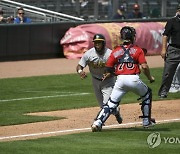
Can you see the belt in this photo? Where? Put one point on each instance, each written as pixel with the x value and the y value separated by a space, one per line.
pixel 131 74
pixel 97 78
pixel 175 46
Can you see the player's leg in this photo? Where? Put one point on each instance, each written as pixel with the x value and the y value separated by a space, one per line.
pixel 106 89
pixel 103 115
pixel 145 94
pixel 97 91
pixel 146 107
pixel 109 108
pixel 133 83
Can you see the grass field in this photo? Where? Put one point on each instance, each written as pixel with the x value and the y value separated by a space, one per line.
pixel 62 92
pixel 113 141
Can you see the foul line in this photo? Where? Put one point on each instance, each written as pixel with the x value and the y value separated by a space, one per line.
pixel 28 98
pixel 82 129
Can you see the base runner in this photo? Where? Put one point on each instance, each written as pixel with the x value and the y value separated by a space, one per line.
pixel 96 59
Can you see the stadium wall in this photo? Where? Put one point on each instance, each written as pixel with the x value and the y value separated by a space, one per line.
pixel 37 41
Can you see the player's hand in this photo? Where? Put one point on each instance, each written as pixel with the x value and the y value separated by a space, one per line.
pixel 163 54
pixel 152 79
pixel 105 76
pixel 83 75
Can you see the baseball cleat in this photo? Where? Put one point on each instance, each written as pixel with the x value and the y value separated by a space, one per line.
pixel 152 122
pixel 95 128
pixel 173 89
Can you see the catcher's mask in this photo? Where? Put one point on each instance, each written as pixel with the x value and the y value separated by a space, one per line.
pixel 99 38
pixel 128 34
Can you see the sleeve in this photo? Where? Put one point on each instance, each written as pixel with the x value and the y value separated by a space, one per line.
pixel 111 60
pixel 16 20
pixel 84 59
pixel 141 56
pixel 168 27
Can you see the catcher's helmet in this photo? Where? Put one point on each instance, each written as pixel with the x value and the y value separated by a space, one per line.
pixel 99 38
pixel 128 34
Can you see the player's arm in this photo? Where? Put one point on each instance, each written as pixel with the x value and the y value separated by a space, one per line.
pixel 167 32
pixel 145 51
pixel 80 71
pixel 146 71
pixel 144 66
pixel 164 46
pixel 109 72
pixel 109 69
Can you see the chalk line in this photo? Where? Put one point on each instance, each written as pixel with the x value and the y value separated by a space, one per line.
pixel 39 97
pixel 81 129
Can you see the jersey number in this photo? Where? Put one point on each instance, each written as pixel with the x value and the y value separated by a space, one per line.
pixel 127 65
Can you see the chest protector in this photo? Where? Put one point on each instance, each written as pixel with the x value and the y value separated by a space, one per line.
pixel 126 58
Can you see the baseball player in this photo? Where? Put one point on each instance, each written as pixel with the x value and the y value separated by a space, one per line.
pixel 124 61
pixel 96 58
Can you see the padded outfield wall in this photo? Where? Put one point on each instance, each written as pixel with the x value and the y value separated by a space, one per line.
pixel 37 41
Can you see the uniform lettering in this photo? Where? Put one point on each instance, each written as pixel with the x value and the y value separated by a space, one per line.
pixel 121 66
pixel 130 65
pixel 98 64
pixel 127 65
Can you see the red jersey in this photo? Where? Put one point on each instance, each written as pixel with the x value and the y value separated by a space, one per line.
pixel 126 68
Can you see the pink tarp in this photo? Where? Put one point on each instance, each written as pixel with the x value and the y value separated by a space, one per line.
pixel 78 40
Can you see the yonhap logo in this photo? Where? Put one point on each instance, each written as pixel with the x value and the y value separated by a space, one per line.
pixel 153 140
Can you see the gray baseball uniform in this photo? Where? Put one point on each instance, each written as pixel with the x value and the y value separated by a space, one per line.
pixel 96 64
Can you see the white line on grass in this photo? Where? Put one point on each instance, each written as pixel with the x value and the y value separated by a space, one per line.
pixel 82 129
pixel 28 98
pixel 38 91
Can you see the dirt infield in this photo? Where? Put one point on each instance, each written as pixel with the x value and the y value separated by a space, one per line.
pixel 76 120
pixel 51 67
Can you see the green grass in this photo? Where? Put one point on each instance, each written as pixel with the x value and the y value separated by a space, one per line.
pixel 109 141
pixel 12 111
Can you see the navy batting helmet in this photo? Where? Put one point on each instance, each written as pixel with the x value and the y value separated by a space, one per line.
pixel 128 34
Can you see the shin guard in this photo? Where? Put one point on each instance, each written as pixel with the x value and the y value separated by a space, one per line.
pixel 106 111
pixel 146 104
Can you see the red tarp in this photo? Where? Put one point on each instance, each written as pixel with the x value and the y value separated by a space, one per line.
pixel 78 40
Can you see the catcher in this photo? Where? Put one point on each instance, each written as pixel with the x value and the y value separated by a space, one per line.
pixel 124 61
